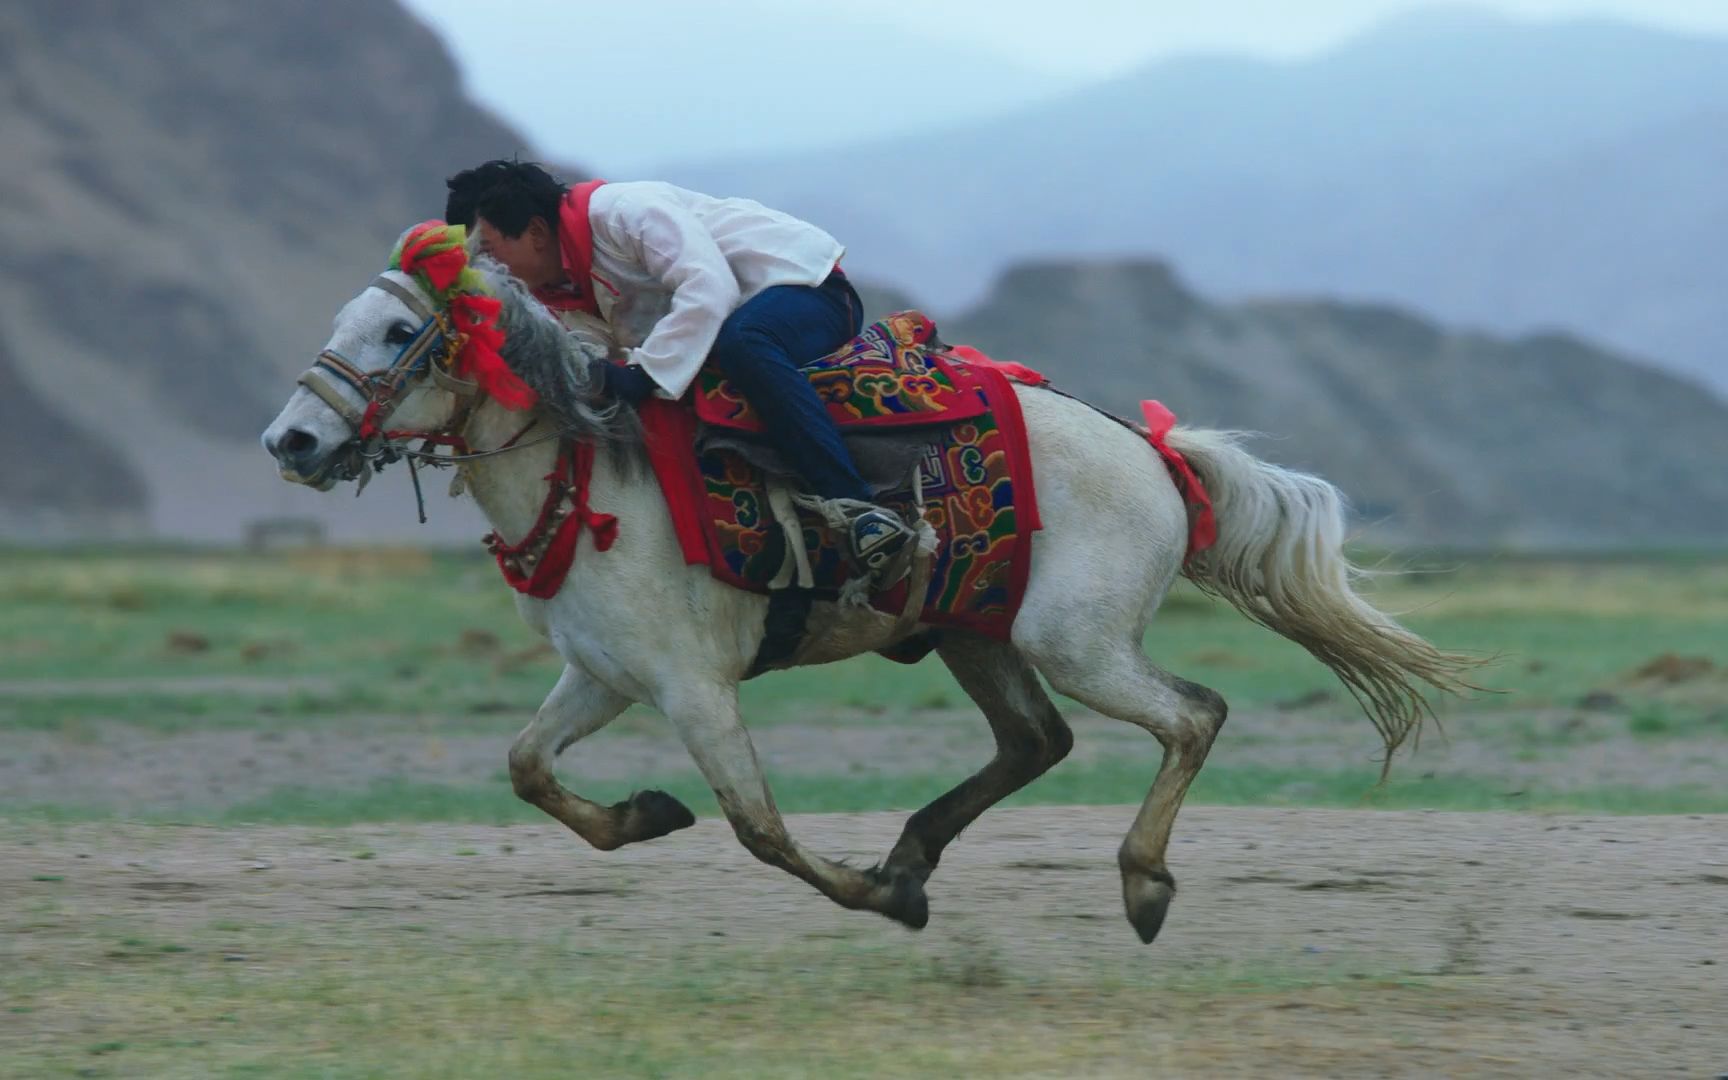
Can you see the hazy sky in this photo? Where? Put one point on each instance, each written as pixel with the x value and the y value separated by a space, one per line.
pixel 699 58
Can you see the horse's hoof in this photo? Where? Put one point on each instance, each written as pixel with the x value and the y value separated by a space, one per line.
pixel 1148 897
pixel 906 901
pixel 655 813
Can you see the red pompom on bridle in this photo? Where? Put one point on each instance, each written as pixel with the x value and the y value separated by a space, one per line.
pixel 433 252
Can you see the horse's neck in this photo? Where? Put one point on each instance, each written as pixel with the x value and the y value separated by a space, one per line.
pixel 511 487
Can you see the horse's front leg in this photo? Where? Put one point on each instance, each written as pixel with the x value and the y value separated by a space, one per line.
pixel 578 707
pixel 706 717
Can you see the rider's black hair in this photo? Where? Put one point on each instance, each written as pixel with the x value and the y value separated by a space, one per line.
pixel 509 194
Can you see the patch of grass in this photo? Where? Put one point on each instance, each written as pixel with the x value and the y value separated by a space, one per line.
pixel 1116 782
pixel 1650 722
pixel 433 637
pixel 332 1004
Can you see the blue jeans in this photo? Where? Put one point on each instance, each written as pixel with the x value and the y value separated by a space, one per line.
pixel 760 348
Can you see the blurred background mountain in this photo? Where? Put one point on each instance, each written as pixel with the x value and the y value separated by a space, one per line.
pixel 1511 175
pixel 1495 242
pixel 190 192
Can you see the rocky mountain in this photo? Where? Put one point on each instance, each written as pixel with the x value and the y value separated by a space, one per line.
pixel 1442 437
pixel 1513 175
pixel 189 192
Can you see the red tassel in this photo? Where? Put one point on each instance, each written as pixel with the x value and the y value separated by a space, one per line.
pixel 477 317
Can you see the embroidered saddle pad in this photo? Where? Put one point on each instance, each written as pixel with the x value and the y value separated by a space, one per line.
pixel 976 472
pixel 888 376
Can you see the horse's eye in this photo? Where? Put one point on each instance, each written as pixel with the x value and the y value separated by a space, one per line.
pixel 400 334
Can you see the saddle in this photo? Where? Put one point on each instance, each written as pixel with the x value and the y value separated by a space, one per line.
pixel 940 439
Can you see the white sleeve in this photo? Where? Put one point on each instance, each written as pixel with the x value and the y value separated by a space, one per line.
pixel 678 250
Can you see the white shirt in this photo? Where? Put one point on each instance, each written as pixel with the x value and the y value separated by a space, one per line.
pixel 670 265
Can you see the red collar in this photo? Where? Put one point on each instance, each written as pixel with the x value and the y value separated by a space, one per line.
pixel 539 562
pixel 576 250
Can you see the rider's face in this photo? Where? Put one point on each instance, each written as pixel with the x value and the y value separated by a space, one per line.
pixel 533 256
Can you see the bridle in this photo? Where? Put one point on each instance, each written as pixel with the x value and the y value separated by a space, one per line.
pixel 432 349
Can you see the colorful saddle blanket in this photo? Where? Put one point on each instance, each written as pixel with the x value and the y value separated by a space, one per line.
pixel 888 376
pixel 977 482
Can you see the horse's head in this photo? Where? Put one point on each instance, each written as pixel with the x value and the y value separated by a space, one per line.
pixel 407 357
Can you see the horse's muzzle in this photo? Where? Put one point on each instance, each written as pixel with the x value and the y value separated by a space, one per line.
pixel 302 459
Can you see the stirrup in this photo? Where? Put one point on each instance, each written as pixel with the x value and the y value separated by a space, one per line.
pixel 883 546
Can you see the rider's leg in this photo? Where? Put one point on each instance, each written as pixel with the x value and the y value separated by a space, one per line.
pixel 760 349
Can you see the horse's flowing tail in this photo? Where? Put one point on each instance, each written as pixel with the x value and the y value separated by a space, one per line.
pixel 1279 560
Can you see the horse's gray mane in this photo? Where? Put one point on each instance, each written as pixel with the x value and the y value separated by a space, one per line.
pixel 554 361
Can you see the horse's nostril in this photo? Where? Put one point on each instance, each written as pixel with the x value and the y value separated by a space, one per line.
pixel 296 443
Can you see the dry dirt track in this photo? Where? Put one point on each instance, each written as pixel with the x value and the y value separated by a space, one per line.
pixel 1534 945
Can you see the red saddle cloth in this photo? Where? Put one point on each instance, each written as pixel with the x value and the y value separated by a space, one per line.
pixel 977 475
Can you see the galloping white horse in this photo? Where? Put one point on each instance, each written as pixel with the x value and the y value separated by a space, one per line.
pixel 635 624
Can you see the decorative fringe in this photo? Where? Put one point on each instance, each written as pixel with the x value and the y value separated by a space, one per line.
pixel 437 256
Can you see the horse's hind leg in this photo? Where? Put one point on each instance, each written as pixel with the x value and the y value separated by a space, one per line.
pixel 577 707
pixel 706 716
pixel 1184 717
pixel 1031 736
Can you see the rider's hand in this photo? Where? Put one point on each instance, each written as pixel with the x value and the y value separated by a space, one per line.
pixel 629 384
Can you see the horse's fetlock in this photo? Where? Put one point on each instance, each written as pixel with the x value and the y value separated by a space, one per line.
pixel 766 845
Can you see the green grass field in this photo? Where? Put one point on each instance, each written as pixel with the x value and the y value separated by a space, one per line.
pixel 415 645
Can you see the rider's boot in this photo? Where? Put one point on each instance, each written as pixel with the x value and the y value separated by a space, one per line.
pixel 883 546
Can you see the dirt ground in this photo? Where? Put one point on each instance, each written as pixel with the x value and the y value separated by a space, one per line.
pixel 132 770
pixel 1531 945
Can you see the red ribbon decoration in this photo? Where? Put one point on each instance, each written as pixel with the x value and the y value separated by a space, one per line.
pixel 431 251
pixel 1020 373
pixel 476 319
pixel 568 479
pixel 1202 523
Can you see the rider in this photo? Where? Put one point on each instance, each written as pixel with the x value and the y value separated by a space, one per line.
pixel 688 277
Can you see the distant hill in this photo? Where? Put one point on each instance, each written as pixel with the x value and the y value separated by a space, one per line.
pixel 189 192
pixel 1438 436
pixel 1511 175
